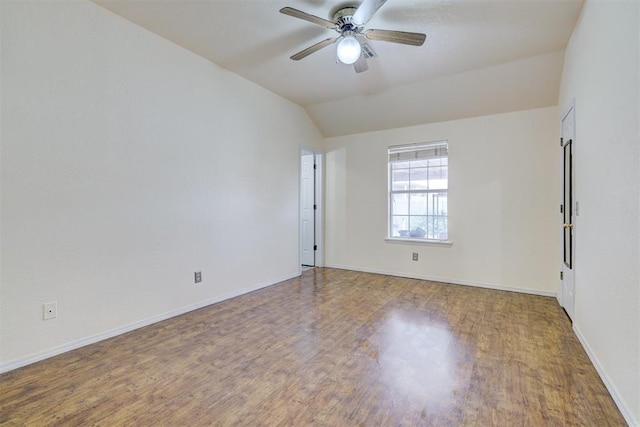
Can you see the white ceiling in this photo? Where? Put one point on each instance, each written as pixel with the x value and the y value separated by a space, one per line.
pixel 481 56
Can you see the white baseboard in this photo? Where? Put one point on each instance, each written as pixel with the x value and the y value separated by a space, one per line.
pixel 447 280
pixel 626 413
pixel 18 363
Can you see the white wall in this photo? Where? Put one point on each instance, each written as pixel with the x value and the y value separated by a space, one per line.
pixel 503 199
pixel 601 73
pixel 128 163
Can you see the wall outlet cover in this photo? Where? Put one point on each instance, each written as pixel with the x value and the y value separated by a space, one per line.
pixel 50 310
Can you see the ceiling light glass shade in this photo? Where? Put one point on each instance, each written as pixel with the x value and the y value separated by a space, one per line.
pixel 349 50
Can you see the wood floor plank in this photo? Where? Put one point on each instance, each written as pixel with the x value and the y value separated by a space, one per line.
pixel 330 348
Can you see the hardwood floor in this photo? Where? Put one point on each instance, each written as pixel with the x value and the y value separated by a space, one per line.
pixel 331 348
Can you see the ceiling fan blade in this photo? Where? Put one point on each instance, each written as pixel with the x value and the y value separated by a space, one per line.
pixel 308 17
pixel 316 47
pixel 361 65
pixel 366 10
pixel 402 37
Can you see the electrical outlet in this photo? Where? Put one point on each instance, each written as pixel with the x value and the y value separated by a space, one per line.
pixel 50 310
pixel 415 256
pixel 197 276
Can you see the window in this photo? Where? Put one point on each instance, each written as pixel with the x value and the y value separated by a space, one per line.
pixel 418 186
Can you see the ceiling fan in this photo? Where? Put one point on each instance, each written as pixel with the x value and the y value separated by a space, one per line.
pixel 349 21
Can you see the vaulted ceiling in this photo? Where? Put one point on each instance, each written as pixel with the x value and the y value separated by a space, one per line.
pixel 480 57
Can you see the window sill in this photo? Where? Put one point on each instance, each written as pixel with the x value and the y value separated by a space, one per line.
pixel 419 241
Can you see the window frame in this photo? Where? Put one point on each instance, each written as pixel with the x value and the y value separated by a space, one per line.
pixel 421 151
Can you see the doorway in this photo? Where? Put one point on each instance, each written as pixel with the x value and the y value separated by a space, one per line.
pixel 568 210
pixel 310 208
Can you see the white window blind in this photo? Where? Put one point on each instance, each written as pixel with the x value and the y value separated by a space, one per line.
pixel 418 151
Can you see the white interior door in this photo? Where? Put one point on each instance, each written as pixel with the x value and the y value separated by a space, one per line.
pixel 307 210
pixel 568 212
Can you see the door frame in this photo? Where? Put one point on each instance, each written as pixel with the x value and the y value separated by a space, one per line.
pixel 562 299
pixel 319 201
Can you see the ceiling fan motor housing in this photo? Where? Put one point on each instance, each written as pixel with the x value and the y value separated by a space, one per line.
pixel 344 19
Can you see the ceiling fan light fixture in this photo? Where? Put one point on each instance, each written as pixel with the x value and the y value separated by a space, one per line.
pixel 349 50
